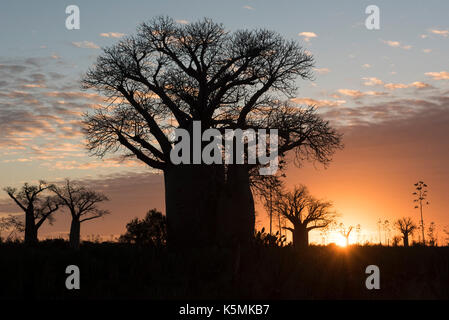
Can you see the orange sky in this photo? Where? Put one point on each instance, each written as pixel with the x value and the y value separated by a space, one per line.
pixel 371 178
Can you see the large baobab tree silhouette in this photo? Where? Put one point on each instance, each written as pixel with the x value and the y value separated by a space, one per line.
pixel 406 227
pixel 37 208
pixel 82 205
pixel 170 75
pixel 304 212
pixel 421 196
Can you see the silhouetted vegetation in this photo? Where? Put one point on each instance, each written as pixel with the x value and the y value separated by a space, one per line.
pixel 169 75
pixel 37 208
pixel 264 271
pixel 82 205
pixel 406 227
pixel 304 212
pixel 149 231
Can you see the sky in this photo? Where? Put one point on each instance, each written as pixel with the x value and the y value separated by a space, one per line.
pixel 386 90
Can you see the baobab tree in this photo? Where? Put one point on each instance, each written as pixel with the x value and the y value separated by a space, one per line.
pixel 304 212
pixel 171 75
pixel 420 198
pixel 406 227
pixel 37 207
pixel 345 232
pixel 82 206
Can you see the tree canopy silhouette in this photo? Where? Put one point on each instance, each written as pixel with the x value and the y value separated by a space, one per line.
pixel 169 75
pixel 37 208
pixel 406 227
pixel 82 204
pixel 150 231
pixel 304 212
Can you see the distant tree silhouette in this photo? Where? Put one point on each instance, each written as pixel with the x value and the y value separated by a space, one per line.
pixel 11 224
pixel 168 76
pixel 420 198
pixel 396 241
pixel 446 232
pixel 345 232
pixel 386 227
pixel 431 234
pixel 37 207
pixel 82 205
pixel 406 226
pixel 379 226
pixel 151 230
pixel 304 212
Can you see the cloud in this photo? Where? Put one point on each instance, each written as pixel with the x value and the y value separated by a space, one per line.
pixel 427 50
pixel 442 75
pixel 86 45
pixel 443 33
pixel 308 35
pixel 397 44
pixel 366 66
pixel 372 81
pixel 248 7
pixel 322 70
pixel 182 21
pixel 359 94
pixel 112 35
pixel 318 103
pixel 417 84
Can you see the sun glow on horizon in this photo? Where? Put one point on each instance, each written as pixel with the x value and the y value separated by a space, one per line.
pixel 341 241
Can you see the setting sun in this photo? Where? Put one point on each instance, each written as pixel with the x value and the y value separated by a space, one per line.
pixel 340 241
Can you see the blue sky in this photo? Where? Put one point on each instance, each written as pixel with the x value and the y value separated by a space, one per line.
pixel 362 76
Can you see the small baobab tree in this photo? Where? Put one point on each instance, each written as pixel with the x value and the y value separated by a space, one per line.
pixel 406 227
pixel 82 205
pixel 304 212
pixel 37 207
pixel 345 232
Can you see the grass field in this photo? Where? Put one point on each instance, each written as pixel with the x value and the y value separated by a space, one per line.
pixel 113 270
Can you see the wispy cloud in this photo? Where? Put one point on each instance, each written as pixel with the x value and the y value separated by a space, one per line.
pixel 416 84
pixel 372 81
pixel 112 35
pixel 396 44
pixel 319 103
pixel 442 75
pixel 248 7
pixel 358 93
pixel 86 45
pixel 307 35
pixel 322 70
pixel 443 33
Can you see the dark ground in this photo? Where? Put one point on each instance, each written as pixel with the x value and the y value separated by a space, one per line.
pixel 113 270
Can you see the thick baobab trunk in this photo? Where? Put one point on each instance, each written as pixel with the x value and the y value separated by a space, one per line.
pixel 405 238
pixel 191 198
pixel 30 228
pixel 300 237
pixel 74 238
pixel 236 214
